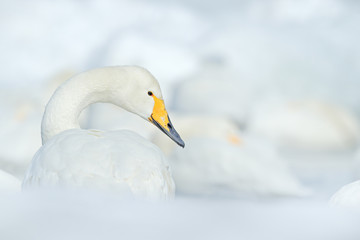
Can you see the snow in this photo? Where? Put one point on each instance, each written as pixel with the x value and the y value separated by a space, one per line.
pixel 103 216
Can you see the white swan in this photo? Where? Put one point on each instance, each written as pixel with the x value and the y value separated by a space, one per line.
pixel 220 160
pixel 120 160
pixel 347 196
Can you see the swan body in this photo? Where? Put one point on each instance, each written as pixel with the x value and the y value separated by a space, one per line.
pixel 347 196
pixel 144 172
pixel 119 160
pixel 220 160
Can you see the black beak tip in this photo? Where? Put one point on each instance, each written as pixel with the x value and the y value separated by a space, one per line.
pixel 181 143
pixel 176 137
pixel 170 133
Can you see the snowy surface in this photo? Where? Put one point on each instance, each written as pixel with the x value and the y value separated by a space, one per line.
pixel 93 216
pixel 219 57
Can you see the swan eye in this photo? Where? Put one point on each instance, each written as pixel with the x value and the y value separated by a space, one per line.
pixel 150 93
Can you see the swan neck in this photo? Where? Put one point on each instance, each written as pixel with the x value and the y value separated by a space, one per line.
pixel 70 99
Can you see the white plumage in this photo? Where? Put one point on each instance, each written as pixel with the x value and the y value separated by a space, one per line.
pixel 114 160
pixel 347 196
pixel 120 161
pixel 220 160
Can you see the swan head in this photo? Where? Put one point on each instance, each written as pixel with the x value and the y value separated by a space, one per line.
pixel 143 97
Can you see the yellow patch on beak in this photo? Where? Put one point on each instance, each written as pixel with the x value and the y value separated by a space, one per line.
pixel 159 113
pixel 232 138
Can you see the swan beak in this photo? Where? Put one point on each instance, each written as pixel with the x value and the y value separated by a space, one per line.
pixel 160 119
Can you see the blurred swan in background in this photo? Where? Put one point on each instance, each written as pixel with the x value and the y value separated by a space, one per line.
pixel 222 92
pixel 22 110
pixel 219 160
pixel 210 126
pixel 347 196
pixel 305 125
pixel 19 133
pixel 118 160
pixel 318 139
